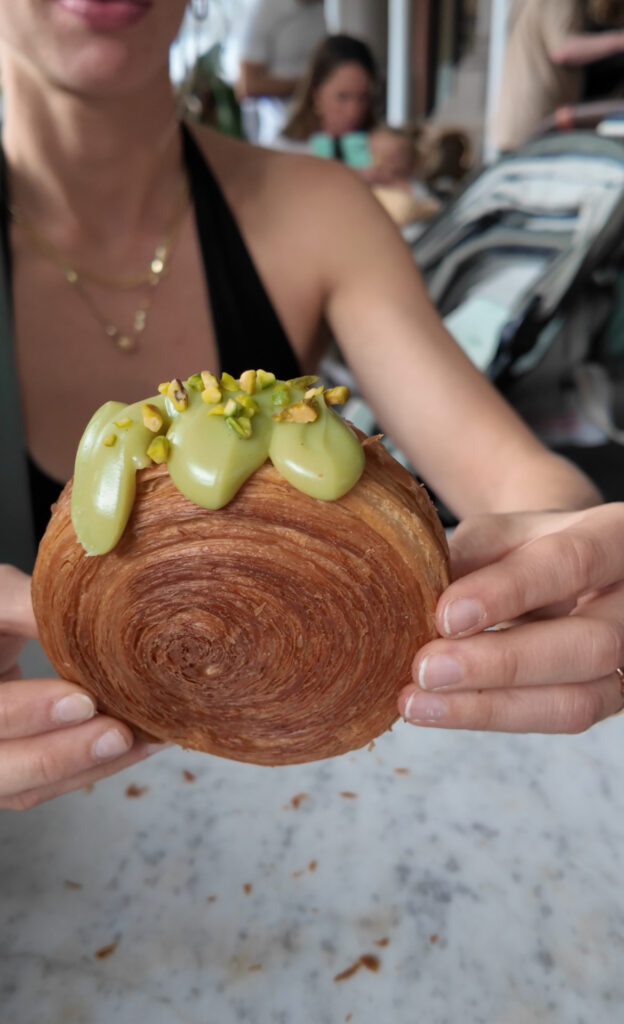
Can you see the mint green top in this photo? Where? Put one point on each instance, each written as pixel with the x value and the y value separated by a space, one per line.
pixel 210 448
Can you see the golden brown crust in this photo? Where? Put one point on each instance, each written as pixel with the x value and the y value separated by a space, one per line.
pixel 276 630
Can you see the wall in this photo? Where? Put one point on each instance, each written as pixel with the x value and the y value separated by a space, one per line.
pixel 463 97
pixel 367 19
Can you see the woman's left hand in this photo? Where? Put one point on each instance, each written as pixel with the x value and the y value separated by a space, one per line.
pixel 553 584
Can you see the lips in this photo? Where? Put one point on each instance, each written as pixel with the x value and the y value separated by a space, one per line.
pixel 106 15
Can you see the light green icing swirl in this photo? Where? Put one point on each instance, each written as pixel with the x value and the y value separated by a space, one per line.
pixel 207 461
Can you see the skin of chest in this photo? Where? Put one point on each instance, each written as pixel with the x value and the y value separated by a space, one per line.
pixel 68 367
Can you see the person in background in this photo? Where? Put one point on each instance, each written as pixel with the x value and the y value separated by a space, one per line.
pixel 334 115
pixel 548 49
pixel 334 109
pixel 395 150
pixel 275 45
pixel 397 166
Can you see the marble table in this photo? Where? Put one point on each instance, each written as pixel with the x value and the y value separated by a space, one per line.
pixel 444 878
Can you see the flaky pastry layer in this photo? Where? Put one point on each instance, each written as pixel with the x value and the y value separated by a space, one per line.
pixel 278 629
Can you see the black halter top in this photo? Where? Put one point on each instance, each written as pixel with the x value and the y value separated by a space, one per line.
pixel 247 329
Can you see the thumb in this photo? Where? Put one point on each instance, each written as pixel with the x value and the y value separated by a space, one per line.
pixel 484 539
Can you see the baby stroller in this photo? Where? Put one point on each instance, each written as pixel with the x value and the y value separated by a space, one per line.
pixel 526 268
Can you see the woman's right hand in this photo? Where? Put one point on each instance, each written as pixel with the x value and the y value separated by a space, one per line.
pixel 51 738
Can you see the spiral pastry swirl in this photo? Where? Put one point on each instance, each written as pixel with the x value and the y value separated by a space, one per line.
pixel 277 629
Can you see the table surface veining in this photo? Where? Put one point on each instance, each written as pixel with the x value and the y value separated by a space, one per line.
pixel 451 878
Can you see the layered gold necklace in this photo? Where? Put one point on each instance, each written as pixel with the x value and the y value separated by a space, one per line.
pixel 80 278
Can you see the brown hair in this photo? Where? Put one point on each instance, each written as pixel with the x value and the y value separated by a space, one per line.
pixel 606 12
pixel 445 152
pixel 331 54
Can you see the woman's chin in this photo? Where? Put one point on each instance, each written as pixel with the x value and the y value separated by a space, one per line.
pixel 128 51
pixel 103 68
pixel 338 130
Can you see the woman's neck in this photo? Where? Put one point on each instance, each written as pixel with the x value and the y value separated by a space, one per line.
pixel 90 168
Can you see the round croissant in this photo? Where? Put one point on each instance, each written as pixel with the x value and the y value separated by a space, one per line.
pixel 277 629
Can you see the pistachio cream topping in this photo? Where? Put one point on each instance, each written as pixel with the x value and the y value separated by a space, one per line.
pixel 213 433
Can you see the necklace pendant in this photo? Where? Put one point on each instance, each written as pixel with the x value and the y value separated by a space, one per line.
pixel 140 319
pixel 126 343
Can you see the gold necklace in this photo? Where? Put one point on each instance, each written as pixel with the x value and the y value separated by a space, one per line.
pixel 126 341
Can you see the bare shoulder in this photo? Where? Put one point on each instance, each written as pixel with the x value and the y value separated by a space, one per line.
pixel 283 186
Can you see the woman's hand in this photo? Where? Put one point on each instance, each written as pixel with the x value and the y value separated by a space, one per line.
pixel 553 583
pixel 51 739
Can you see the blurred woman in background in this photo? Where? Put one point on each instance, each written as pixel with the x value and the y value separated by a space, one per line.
pixel 336 104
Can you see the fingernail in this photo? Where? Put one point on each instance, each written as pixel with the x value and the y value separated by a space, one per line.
pixel 438 670
pixel 424 707
pixel 77 707
pixel 110 744
pixel 462 615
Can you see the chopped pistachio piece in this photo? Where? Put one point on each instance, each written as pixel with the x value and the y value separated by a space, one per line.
pixel 158 450
pixel 300 412
pixel 304 382
pixel 211 395
pixel 178 395
pixel 228 383
pixel 280 396
pixel 240 425
pixel 209 380
pixel 248 404
pixel 219 410
pixel 232 408
pixel 338 395
pixel 162 388
pixel 264 379
pixel 195 382
pixel 152 418
pixel 122 424
pixel 109 440
pixel 248 382
pixel 313 393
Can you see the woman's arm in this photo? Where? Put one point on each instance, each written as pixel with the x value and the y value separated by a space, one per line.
pixel 586 47
pixel 458 432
